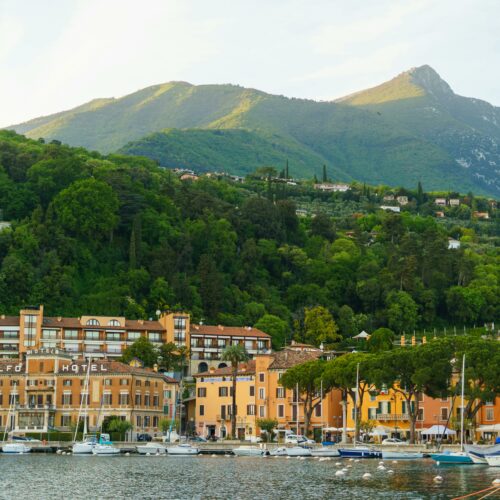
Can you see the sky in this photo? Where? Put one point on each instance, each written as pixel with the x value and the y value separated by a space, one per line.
pixel 58 54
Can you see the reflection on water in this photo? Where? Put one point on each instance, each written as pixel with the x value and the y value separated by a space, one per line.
pixel 55 476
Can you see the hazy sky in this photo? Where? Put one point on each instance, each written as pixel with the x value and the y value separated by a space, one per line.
pixel 56 54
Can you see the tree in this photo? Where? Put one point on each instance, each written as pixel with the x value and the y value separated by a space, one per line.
pixel 274 326
pixel 319 327
pixel 409 372
pixel 268 425
pixel 120 426
pixel 307 378
pixel 402 312
pixel 87 209
pixel 381 339
pixel 172 357
pixel 322 225
pixel 235 354
pixel 325 176
pixel 142 349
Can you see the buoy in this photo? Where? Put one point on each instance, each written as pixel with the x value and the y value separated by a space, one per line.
pixel 496 482
pixel 127 454
pixel 380 467
pixel 438 479
pixel 351 460
pixel 394 461
pixel 148 454
pixel 338 463
pixel 344 470
pixel 322 459
pixel 390 471
pixel 328 459
pixel 58 452
pixel 367 475
pixel 348 466
pixel 213 455
pixel 287 457
pixel 339 473
pixel 381 463
pixel 357 460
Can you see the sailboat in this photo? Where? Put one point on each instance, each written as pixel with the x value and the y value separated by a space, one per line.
pixel 88 443
pixel 358 451
pixel 456 457
pixel 104 446
pixel 13 447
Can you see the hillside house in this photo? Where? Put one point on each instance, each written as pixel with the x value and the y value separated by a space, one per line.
pixel 440 202
pixel 402 200
pixel 391 209
pixel 454 202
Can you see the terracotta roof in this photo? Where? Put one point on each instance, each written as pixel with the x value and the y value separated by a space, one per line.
pixel 243 368
pixel 139 324
pixel 235 331
pixel 60 322
pixel 9 320
pixel 288 358
pixel 130 324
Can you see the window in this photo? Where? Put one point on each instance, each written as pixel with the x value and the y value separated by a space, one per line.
pixel 317 410
pixel 167 394
pixel 71 334
pixel 262 411
pixel 281 411
pixel 133 335
pixel 230 409
pixel 154 337
pixel 139 421
pixel 65 420
pixel 372 413
pixel 202 392
pixel 223 412
pixel 248 345
pixel 84 398
pixel 49 334
pixel 250 409
pixel 262 393
pixel 124 398
pixel 261 377
pixel 107 399
pixel 147 383
pixel 67 399
pixel 202 410
pixel 252 390
pixel 261 344
pixel 66 382
pixel 91 335
pixel 113 336
pixel 108 381
pixel 147 421
pixel 420 415
pixel 155 401
pixel 124 381
pixel 490 414
pixel 147 400
pixel 93 322
pixel 444 414
pixel 280 392
pixel 114 322
pixel 155 421
pixel 222 392
pixel 138 399
pixel 138 383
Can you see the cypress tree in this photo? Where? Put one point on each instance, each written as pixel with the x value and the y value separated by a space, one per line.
pixel 325 177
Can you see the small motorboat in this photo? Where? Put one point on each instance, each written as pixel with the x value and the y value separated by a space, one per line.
pixel 183 449
pixel 249 451
pixel 452 457
pixel 15 448
pixel 105 449
pixel 493 460
pixel 401 455
pixel 84 447
pixel 151 449
pixel 325 451
pixel 278 452
pixel 299 451
pixel 360 452
pixel 478 454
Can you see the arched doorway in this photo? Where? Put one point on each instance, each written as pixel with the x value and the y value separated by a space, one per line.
pixel 222 365
pixel 202 367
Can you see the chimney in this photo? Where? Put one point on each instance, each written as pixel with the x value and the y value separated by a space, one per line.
pixel 155 367
pixel 3 316
pixel 402 340
pixel 220 327
pixel 59 318
pixel 141 322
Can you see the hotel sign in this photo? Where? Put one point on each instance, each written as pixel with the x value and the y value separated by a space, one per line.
pixel 94 367
pixel 11 368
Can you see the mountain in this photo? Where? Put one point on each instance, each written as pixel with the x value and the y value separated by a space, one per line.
pixel 412 128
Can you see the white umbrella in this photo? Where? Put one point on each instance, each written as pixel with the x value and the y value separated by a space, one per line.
pixel 437 430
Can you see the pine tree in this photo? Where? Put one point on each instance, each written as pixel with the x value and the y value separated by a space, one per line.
pixel 286 170
pixel 132 253
pixel 325 177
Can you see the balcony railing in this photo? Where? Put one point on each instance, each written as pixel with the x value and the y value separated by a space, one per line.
pixel 384 417
pixel 36 407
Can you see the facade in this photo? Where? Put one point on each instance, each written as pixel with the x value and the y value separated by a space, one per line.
pixel 47 389
pixel 327 186
pixel 259 395
pixel 402 200
pixel 108 336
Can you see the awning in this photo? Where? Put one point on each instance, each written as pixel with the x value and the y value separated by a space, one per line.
pixel 380 430
pixel 437 430
pixel 362 335
pixel 489 428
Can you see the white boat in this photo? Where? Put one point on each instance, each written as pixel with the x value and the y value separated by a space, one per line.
pixel 298 451
pixel 493 460
pixel 249 451
pixel 151 449
pixel 84 447
pixel 15 448
pixel 105 449
pixel 183 449
pixel 478 453
pixel 278 452
pixel 401 455
pixel 325 451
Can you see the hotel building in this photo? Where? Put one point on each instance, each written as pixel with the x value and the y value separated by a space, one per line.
pixel 47 388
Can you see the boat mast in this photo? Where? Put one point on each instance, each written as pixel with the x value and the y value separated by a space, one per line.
pixel 85 386
pixel 12 402
pixel 356 404
pixel 462 407
pixel 297 406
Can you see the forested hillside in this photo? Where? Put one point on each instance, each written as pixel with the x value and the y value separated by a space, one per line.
pixel 120 235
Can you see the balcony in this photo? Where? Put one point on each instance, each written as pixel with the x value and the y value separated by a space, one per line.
pixel 29 407
pixel 385 417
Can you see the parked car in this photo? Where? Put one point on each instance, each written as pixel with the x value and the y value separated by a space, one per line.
pixel 254 439
pixel 394 442
pixel 294 439
pixel 144 437
pixel 198 439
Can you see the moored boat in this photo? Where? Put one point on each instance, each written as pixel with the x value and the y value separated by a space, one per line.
pixel 478 454
pixel 105 449
pixel 183 449
pixel 249 451
pixel 401 455
pixel 151 449
pixel 84 447
pixel 325 451
pixel 452 457
pixel 493 460
pixel 298 451
pixel 360 452
pixel 278 452
pixel 15 448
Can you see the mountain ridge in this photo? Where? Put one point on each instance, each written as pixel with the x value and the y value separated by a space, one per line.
pixel 409 129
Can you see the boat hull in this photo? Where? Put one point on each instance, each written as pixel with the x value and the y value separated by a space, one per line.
pixel 298 451
pixel 83 448
pixel 105 449
pixel 493 460
pixel 326 451
pixel 278 452
pixel 457 458
pixel 183 450
pixel 151 449
pixel 401 455
pixel 249 452
pixel 359 453
pixel 15 448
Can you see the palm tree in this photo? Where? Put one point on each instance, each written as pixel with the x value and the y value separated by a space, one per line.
pixel 235 354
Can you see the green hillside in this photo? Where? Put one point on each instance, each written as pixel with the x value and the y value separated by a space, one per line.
pixel 412 128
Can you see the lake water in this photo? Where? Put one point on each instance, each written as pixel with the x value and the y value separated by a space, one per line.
pixel 55 476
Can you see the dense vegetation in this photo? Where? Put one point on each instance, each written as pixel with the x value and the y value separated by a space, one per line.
pixel 413 128
pixel 120 235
